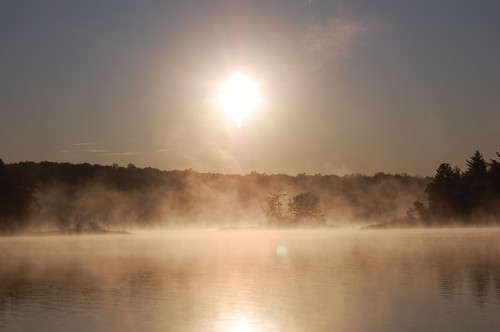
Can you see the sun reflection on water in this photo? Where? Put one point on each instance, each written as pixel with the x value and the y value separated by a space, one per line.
pixel 240 324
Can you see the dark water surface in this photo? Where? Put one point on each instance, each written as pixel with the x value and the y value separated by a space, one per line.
pixel 255 280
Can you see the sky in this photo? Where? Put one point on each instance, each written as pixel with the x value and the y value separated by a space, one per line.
pixel 359 86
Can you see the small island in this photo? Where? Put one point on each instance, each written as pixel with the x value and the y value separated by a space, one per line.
pixel 303 210
pixel 457 198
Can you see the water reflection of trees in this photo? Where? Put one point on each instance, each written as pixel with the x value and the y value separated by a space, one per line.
pixel 475 272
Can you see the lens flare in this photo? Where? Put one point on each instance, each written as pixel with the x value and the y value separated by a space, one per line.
pixel 281 251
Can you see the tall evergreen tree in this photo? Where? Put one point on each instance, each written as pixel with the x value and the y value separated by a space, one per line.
pixel 444 192
pixel 476 185
pixel 476 166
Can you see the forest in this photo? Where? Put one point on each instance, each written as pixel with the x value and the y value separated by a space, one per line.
pixel 470 197
pixel 73 197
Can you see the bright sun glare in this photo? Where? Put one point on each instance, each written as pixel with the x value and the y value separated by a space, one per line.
pixel 238 97
pixel 241 325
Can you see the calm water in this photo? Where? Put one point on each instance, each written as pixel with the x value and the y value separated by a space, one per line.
pixel 439 280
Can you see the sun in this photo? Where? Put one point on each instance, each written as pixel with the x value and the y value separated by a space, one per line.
pixel 238 96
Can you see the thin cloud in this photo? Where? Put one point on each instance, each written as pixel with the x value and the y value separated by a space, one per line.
pixel 65 151
pixel 163 150
pixel 81 144
pixel 97 150
pixel 127 153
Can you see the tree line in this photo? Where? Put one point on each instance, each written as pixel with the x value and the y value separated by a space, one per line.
pixel 17 198
pixel 467 197
pixel 48 195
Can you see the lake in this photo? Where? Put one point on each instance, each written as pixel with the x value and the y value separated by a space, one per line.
pixel 253 280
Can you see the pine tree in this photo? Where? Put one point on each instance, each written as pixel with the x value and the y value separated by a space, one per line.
pixel 444 192
pixel 477 166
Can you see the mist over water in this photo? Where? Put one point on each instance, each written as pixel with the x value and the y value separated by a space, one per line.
pixel 253 280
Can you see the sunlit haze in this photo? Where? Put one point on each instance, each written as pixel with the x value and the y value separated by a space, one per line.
pixel 332 280
pixel 328 86
pixel 249 165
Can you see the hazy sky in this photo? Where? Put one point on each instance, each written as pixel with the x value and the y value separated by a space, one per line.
pixel 347 86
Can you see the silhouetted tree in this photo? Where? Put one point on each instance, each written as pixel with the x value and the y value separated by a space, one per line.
pixel 418 212
pixel 494 179
pixel 477 166
pixel 470 197
pixel 444 192
pixel 274 212
pixel 494 173
pixel 17 198
pixel 476 185
pixel 305 207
